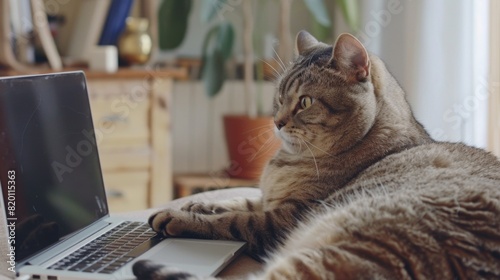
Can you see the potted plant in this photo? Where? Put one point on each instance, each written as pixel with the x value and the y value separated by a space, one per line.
pixel 250 137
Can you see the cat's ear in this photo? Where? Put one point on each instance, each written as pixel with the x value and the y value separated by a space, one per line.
pixel 304 41
pixel 350 57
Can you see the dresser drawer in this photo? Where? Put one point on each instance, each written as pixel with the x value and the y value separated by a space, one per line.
pixel 126 191
pixel 120 112
pixel 122 160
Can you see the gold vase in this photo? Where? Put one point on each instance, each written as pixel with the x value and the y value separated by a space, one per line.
pixel 135 44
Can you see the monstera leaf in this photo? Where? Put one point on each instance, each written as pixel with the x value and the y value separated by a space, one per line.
pixel 213 72
pixel 216 50
pixel 173 22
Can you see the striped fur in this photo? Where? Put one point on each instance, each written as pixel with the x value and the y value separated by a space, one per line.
pixel 358 190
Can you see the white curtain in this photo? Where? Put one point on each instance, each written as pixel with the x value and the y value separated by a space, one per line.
pixel 438 51
pixel 494 98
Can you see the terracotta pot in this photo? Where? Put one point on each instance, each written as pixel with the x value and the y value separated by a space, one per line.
pixel 251 144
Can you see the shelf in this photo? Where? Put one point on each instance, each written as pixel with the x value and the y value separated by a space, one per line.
pixel 122 73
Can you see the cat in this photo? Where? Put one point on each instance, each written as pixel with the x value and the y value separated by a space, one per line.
pixel 358 190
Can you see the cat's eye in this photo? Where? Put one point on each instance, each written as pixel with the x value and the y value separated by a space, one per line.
pixel 305 102
pixel 280 99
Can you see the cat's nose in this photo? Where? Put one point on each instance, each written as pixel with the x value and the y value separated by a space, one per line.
pixel 279 124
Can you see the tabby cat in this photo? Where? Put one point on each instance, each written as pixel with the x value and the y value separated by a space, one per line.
pixel 358 190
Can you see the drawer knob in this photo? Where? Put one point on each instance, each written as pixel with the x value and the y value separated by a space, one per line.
pixel 114 194
pixel 114 118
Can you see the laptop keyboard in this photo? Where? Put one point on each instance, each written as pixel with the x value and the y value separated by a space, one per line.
pixel 110 251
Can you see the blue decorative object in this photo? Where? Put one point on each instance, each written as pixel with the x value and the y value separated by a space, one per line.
pixel 119 10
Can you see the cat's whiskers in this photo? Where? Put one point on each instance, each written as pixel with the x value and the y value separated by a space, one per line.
pixel 280 62
pixel 262 146
pixel 317 147
pixel 314 158
pixel 277 75
pixel 309 142
pixel 271 131
pixel 267 127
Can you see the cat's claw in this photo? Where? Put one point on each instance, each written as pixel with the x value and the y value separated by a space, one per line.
pixel 203 208
pixel 152 217
pixel 148 270
pixel 169 222
pixel 192 206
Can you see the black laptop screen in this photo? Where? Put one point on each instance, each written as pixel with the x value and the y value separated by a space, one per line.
pixel 49 166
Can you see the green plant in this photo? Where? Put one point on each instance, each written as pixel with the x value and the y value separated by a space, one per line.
pixel 173 17
pixel 216 50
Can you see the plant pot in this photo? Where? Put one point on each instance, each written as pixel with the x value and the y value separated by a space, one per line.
pixel 251 144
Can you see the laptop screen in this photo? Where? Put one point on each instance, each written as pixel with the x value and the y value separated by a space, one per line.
pixel 49 166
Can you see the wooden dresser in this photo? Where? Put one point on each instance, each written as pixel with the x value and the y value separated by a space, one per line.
pixel 131 117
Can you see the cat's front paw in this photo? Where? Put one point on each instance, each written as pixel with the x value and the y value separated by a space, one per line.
pixel 172 223
pixel 148 270
pixel 204 208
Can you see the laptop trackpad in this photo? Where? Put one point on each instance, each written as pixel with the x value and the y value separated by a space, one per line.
pixel 180 251
pixel 201 257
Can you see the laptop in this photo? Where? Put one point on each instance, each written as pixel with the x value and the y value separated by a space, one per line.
pixel 54 197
